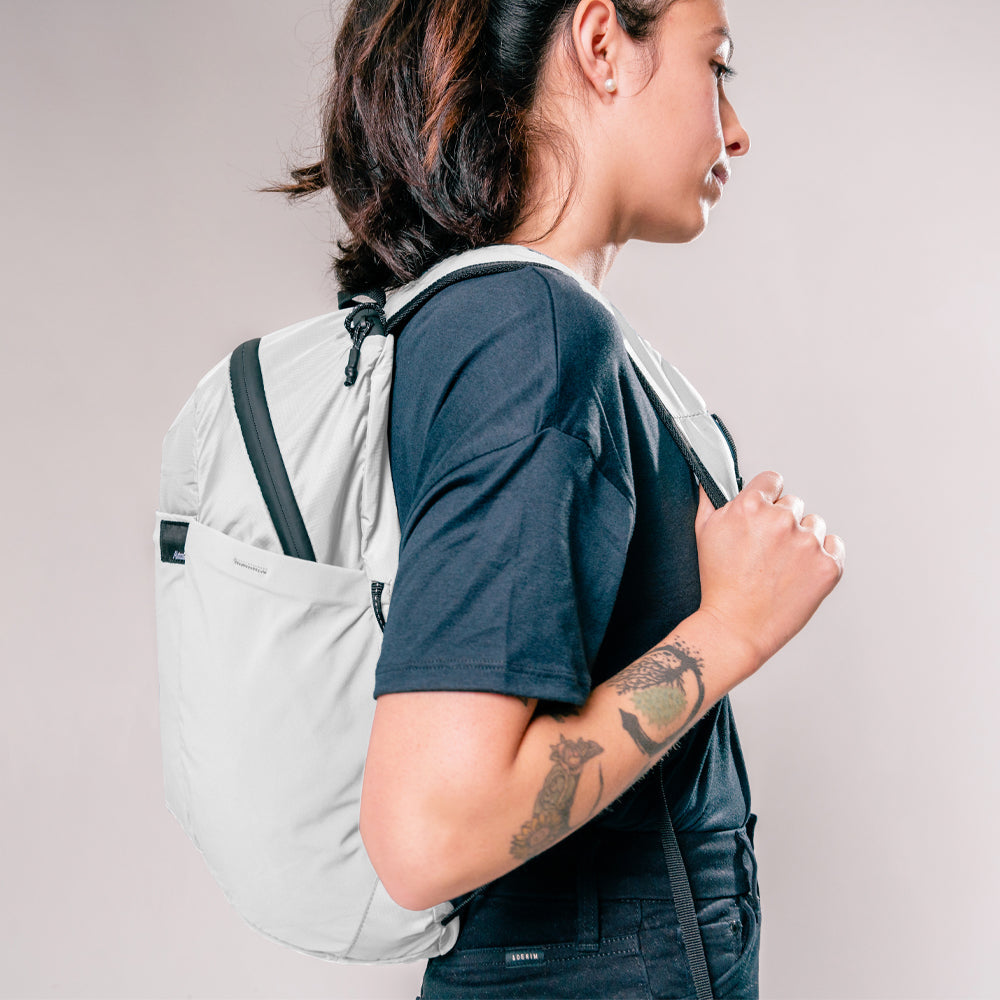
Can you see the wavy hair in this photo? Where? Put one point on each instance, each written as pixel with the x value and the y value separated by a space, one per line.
pixel 430 126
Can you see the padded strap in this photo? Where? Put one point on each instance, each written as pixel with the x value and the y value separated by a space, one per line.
pixel 265 456
pixel 401 316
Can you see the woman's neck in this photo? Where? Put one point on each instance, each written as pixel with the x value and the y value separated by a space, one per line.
pixel 592 263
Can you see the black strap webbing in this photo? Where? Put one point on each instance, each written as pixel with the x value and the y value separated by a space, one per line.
pixel 680 887
pixel 701 474
pixel 265 455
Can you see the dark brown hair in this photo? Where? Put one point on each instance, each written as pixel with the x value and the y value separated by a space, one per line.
pixel 427 125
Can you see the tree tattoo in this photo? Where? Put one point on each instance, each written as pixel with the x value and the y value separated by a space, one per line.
pixel 552 806
pixel 658 693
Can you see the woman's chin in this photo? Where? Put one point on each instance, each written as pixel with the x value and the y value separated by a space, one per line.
pixel 676 230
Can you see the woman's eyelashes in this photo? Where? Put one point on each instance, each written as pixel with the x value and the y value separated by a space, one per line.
pixel 723 72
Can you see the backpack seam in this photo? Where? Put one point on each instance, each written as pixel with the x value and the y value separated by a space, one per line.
pixel 364 918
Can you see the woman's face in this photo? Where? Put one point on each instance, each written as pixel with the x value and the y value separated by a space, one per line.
pixel 684 130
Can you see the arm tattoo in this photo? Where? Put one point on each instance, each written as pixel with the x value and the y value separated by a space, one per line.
pixel 658 693
pixel 552 806
pixel 566 713
pixel 558 710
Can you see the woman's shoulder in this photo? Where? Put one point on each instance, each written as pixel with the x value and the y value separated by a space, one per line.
pixel 537 317
pixel 488 299
pixel 502 357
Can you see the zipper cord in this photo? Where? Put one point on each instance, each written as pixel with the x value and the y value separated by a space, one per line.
pixel 363 319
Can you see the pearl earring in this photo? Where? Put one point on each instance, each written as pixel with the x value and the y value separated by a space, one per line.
pixel 610 86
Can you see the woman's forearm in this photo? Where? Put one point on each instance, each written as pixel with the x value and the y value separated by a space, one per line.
pixel 564 769
pixel 575 766
pixel 461 787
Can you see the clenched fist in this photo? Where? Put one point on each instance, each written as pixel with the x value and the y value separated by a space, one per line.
pixel 765 568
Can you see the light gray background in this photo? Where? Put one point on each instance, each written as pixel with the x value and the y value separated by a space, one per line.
pixel 839 313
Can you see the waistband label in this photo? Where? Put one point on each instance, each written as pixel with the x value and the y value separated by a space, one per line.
pixel 532 956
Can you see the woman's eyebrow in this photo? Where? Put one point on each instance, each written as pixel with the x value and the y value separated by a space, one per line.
pixel 723 32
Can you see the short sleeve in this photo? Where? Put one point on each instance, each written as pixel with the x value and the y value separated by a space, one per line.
pixel 508 573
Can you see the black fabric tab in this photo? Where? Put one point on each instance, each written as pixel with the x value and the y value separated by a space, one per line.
pixel 173 535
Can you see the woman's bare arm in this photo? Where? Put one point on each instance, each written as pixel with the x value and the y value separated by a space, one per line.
pixel 461 787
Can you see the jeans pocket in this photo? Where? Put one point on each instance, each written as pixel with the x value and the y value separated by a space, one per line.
pixel 722 933
pixel 728 927
pixel 741 980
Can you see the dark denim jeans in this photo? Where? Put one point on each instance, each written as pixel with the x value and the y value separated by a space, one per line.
pixel 599 922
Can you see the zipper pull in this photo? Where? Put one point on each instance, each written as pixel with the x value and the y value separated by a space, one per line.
pixel 362 320
pixel 351 371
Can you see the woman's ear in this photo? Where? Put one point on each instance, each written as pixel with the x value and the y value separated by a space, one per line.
pixel 598 42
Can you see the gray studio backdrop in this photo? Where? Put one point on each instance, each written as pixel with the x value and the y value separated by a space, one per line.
pixel 839 312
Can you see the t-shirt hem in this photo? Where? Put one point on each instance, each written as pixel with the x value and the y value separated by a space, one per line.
pixel 493 678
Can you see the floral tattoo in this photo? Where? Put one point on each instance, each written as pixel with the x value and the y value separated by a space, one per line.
pixel 550 819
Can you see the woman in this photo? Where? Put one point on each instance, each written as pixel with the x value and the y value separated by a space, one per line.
pixel 570 611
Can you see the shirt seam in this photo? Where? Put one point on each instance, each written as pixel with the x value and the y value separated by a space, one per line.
pixel 546 278
pixel 406 665
pixel 509 444
pixel 555 344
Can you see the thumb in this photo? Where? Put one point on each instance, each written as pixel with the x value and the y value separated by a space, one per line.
pixel 705 509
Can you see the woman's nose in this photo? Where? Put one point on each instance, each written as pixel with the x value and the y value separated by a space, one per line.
pixel 737 138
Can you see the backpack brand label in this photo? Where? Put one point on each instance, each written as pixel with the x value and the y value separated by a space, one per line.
pixel 525 956
pixel 173 535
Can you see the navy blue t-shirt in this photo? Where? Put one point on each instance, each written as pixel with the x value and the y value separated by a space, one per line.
pixel 547 521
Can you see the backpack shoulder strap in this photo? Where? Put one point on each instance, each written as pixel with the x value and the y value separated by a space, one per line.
pixel 400 305
pixel 265 455
pixel 671 396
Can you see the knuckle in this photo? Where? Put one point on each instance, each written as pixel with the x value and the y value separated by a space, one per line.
pixel 816 525
pixel 835 559
pixel 791 508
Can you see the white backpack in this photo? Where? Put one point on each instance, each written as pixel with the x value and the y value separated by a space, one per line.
pixel 276 547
